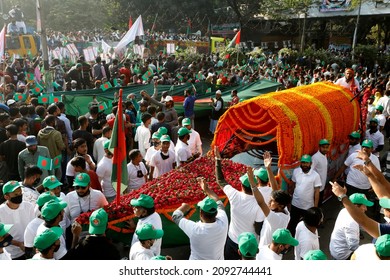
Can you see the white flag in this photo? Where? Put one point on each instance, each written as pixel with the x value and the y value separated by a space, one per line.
pixel 136 30
pixel 2 43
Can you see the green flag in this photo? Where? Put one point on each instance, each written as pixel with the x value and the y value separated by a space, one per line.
pixel 55 99
pixel 116 84
pixel 30 77
pixel 45 163
pixel 20 96
pixel 106 86
pixel 208 90
pixel 199 76
pixel 160 69
pixel 1 97
pixel 56 85
pixel 136 69
pixel 44 99
pixel 102 107
pixel 38 89
pixel 147 75
pixel 57 162
pixel 180 77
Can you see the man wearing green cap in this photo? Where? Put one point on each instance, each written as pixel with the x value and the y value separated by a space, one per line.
pixel 247 246
pixel 98 149
pixel 306 185
pixel 354 144
pixel 5 241
pixel 136 170
pixel 154 149
pixel 47 243
pixel 147 235
pixel 194 142
pixel 96 245
pixel 208 236
pixel 144 210
pixel 315 255
pixel 345 236
pixel 182 148
pixel 52 213
pixel 282 240
pixel 17 212
pixel 104 171
pixel 380 117
pixel 320 165
pixel 376 136
pixel 356 181
pixel 370 252
pixel 163 161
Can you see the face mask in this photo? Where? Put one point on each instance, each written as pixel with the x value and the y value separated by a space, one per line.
pixel 284 252
pixel 6 241
pixel 164 156
pixel 17 199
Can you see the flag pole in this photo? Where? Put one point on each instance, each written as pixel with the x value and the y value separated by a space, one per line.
pixel 154 23
pixel 119 115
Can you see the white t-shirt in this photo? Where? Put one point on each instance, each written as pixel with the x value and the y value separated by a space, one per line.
pixel 137 252
pixel 381 120
pixel 154 220
pixel 366 252
pixel 98 149
pixel 148 157
pixel 266 254
pixel 142 136
pixel 20 218
pixel 207 240
pixel 182 152
pixel 266 192
pixel 307 241
pixel 5 256
pixel 303 196
pixel 104 171
pixel 195 142
pixel 62 251
pixel 78 205
pixel 70 169
pixel 345 236
pixel 31 232
pixel 134 182
pixel 356 178
pixel 274 221
pixel 162 166
pixel 244 212
pixel 320 165
pixel 30 195
pixel 377 139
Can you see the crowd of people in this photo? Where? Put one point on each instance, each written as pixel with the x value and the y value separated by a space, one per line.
pixel 41 202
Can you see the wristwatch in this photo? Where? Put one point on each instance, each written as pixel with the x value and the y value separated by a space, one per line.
pixel 340 198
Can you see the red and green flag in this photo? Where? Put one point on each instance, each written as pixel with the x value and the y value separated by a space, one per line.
pixel 44 99
pixel 106 86
pixel 199 76
pixel 118 144
pixel 102 107
pixel 45 163
pixel 20 96
pixel 55 99
pixel 1 97
pixel 208 90
pixel 235 41
pixel 180 77
pixel 38 89
pixel 147 75
pixel 30 77
pixel 57 162
pixel 160 69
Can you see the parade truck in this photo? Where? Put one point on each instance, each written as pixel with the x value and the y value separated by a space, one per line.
pixel 21 45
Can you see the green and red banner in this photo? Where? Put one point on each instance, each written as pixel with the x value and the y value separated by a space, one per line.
pixel 106 86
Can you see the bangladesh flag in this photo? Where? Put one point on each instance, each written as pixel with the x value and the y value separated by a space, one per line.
pixel 44 99
pixel 102 107
pixel 208 90
pixel 199 76
pixel 1 97
pixel 180 77
pixel 106 86
pixel 45 163
pixel 57 162
pixel 116 84
pixel 20 96
pixel 38 89
pixel 147 75
pixel 118 144
pixel 160 69
pixel 30 77
pixel 55 99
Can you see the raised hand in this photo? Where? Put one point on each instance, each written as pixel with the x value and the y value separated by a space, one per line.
pixel 251 178
pixel 363 155
pixel 363 169
pixel 267 159
pixel 202 183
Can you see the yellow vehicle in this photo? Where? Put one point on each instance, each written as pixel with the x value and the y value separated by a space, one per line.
pixel 20 45
pixel 217 44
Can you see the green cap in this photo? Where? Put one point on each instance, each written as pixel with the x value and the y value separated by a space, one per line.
pixel 306 158
pixel 147 231
pixel 262 174
pixel 162 130
pixel 245 181
pixel 379 108
pixel 247 244
pixel 47 238
pixel 11 186
pixel 283 236
pixel 384 202
pixel 98 221
pixel 382 245
pixel 367 143
pixel 359 198
pixel 46 197
pixel 79 65
pixel 165 138
pixel 143 200
pixel 106 144
pixel 324 142
pixel 186 121
pixel 159 257
pixel 375 120
pixel 156 135
pixel 183 131
pixel 51 209
pixel 315 255
pixel 355 134
pixel 51 182
pixel 4 229
pixel 208 205
pixel 82 180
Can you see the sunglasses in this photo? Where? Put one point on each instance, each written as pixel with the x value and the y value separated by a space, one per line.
pixel 80 187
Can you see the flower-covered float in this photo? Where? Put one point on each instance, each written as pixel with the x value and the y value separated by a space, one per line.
pixel 169 192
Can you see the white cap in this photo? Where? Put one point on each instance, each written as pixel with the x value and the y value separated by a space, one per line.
pixel 73 82
pixel 10 102
pixel 168 98
pixel 218 92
